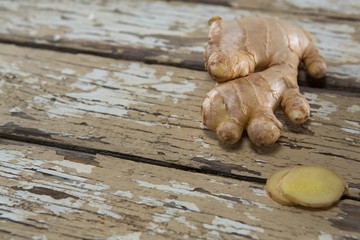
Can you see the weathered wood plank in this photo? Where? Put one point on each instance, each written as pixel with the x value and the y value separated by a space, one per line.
pixel 152 113
pixel 346 10
pixel 161 32
pixel 51 193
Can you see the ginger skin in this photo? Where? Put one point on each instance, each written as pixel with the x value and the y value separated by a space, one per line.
pixel 260 56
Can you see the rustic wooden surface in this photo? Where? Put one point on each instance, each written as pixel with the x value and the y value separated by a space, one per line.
pixel 101 136
pixel 60 193
pixel 171 33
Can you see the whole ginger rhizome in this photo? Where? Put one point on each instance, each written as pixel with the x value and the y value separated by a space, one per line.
pixel 254 61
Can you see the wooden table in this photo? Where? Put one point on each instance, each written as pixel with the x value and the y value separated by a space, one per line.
pixel 101 136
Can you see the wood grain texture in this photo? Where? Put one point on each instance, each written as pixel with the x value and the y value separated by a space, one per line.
pixel 51 193
pixel 333 9
pixel 151 113
pixel 172 33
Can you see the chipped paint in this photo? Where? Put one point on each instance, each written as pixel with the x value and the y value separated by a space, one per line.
pixel 319 107
pixel 77 193
pixel 351 130
pixel 182 220
pixel 130 236
pixel 104 93
pixel 251 217
pixel 184 189
pixel 209 158
pixel 172 211
pixel 201 141
pixel 183 205
pixel 68 71
pixel 229 226
pixel 55 77
pixel 325 236
pixel 353 108
pixel 104 209
pixel 351 6
pixel 259 192
pixel 260 161
pixel 123 194
pixel 15 110
pixel 79 167
pixel 39 237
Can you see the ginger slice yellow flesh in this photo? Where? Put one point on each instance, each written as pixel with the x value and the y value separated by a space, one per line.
pixel 312 186
pixel 255 61
pixel 273 190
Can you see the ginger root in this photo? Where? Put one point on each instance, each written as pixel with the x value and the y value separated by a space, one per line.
pixel 309 186
pixel 260 56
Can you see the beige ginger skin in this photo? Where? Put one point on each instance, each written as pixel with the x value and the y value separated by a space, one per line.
pixel 254 61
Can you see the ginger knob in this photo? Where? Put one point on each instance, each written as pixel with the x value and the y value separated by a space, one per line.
pixel 254 61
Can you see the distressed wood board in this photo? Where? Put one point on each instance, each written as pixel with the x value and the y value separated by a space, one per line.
pixel 333 9
pixel 51 193
pixel 167 32
pixel 151 113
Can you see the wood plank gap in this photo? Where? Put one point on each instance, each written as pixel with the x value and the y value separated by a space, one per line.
pixel 130 157
pixel 320 84
pixel 130 57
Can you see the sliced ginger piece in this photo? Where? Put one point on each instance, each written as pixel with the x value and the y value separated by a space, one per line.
pixel 312 186
pixel 273 190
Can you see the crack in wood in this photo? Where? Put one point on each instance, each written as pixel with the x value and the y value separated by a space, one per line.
pixel 219 170
pixel 348 220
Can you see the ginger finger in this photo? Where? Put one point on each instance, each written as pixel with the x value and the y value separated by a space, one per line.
pixel 295 106
pixel 264 128
pixel 222 59
pixel 314 62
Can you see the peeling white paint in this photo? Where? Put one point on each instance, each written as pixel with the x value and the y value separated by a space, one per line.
pixel 350 7
pixel 251 217
pixel 325 107
pixel 79 167
pixel 15 110
pixel 68 71
pixel 184 189
pixel 15 214
pixel 39 237
pixel 55 77
pixel 209 158
pixel 225 183
pixel 201 141
pixel 95 74
pixel 351 130
pixel 259 192
pixel 354 108
pixel 183 205
pixel 230 226
pixel 262 206
pixel 325 236
pixel 172 211
pixel 130 236
pixel 182 220
pixel 105 93
pixel 77 193
pixel 124 194
pixel 104 209
pixel 353 123
pixel 150 201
